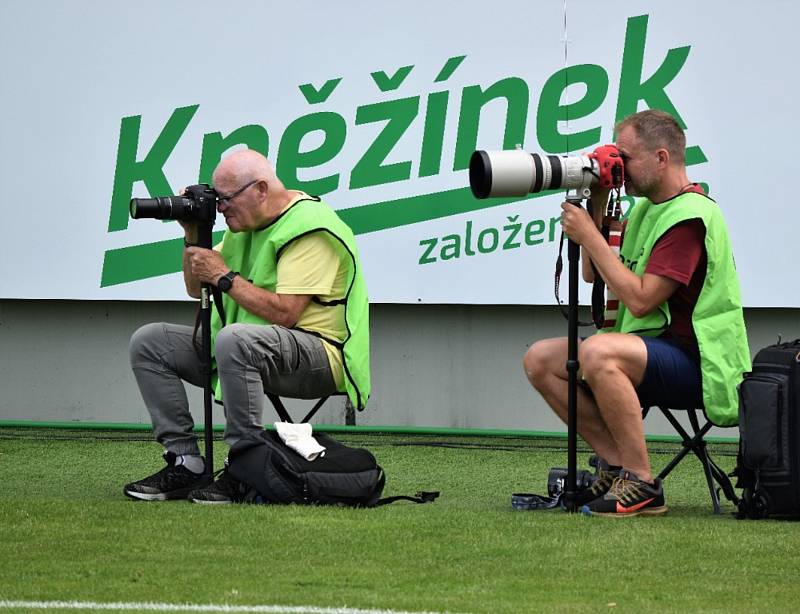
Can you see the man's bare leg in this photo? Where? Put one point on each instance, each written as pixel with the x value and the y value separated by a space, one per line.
pixel 545 366
pixel 613 364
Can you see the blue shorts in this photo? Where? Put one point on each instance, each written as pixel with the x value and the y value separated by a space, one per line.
pixel 672 376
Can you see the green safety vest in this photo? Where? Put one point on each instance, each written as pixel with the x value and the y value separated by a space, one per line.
pixel 255 255
pixel 718 320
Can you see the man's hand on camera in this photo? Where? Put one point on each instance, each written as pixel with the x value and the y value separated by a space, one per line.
pixel 191 235
pixel 206 265
pixel 577 224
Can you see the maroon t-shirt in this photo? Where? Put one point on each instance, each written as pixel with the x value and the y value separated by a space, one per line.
pixel 680 254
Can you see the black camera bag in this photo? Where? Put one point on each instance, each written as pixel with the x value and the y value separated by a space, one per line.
pixel 277 474
pixel 768 463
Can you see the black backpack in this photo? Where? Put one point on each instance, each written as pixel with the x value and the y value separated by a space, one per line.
pixel 275 473
pixel 768 464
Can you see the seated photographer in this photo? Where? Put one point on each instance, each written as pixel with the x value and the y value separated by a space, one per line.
pixel 679 338
pixel 297 323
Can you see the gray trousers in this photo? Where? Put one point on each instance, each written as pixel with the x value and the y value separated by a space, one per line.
pixel 251 359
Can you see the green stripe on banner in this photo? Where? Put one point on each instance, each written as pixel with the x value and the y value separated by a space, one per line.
pixel 404 211
pixel 137 262
pixel 128 264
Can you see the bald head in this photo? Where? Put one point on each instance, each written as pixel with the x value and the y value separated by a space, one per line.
pixel 244 166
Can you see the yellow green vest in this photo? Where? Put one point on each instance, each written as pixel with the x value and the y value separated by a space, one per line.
pixel 255 255
pixel 718 320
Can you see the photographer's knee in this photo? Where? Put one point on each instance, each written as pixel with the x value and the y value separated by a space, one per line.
pixel 231 346
pixel 142 341
pixel 596 357
pixel 536 363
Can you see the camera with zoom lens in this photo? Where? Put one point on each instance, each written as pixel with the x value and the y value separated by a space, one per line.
pixel 557 479
pixel 517 173
pixel 197 204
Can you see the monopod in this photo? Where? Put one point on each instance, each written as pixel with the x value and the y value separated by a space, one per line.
pixel 518 173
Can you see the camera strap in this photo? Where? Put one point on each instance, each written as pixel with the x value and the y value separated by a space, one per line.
pixel 612 232
pixel 604 304
pixel 559 302
pixel 597 290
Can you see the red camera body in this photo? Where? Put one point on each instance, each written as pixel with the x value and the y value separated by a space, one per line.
pixel 610 167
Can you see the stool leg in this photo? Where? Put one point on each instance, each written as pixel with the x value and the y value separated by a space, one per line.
pixel 280 409
pixel 694 444
pixel 702 453
pixel 686 443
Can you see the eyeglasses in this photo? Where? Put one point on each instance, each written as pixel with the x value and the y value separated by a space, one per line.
pixel 224 200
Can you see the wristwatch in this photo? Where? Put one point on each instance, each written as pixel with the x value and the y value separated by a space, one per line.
pixel 225 283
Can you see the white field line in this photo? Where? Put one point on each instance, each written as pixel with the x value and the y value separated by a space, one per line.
pixel 178 607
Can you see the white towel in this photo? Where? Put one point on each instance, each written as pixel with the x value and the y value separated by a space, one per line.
pixel 298 438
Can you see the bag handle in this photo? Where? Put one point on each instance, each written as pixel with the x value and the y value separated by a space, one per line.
pixel 419 497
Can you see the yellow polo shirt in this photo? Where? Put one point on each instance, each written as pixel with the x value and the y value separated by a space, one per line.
pixel 315 264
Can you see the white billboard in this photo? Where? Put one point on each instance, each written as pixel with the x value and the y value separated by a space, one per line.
pixel 377 108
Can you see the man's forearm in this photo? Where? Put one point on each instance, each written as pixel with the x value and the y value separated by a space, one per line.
pixel 282 309
pixel 625 284
pixel 586 261
pixel 190 237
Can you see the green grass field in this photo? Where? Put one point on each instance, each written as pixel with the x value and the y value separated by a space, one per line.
pixel 68 534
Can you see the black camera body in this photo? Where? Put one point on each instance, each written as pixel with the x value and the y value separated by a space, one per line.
pixel 197 204
pixel 557 478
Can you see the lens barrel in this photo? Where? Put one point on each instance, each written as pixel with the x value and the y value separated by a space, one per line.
pixel 501 173
pixel 517 173
pixel 162 208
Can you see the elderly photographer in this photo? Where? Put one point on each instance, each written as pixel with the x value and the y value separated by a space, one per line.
pixel 679 339
pixel 297 323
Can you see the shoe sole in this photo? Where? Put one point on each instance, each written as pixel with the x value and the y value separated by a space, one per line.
pixel 207 502
pixel 160 496
pixel 647 511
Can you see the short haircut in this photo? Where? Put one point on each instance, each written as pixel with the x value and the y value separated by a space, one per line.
pixel 657 130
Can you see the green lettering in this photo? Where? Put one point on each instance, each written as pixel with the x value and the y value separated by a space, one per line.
pixel 426 256
pixel 631 87
pixel 316 96
pixel 551 111
pixel 129 170
pixel 398 114
pixel 532 230
pixel 449 68
pixel 555 222
pixel 430 160
pixel 451 247
pixel 386 83
pixel 515 91
pixel 494 240
pixel 290 158
pixel 214 145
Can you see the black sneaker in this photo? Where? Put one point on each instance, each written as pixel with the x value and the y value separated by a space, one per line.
pixel 629 496
pixel 172 482
pixel 225 490
pixel 606 474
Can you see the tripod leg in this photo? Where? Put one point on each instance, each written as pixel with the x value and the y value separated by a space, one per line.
pixel 208 392
pixel 570 492
pixel 204 240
